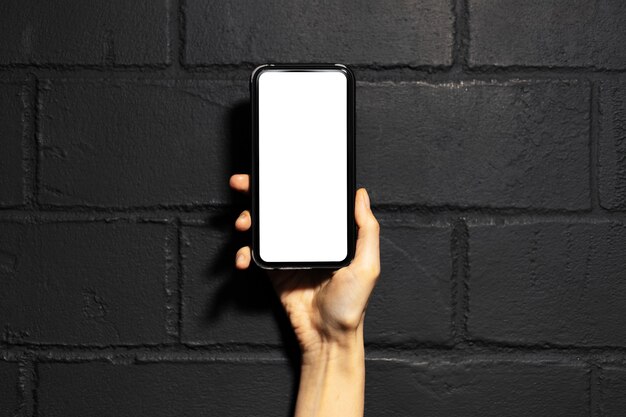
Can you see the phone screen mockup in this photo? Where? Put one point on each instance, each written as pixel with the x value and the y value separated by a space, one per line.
pixel 303 166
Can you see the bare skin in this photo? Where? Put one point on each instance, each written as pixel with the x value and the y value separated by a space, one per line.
pixel 326 310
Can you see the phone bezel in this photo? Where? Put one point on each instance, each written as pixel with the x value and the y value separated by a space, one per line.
pixel 254 181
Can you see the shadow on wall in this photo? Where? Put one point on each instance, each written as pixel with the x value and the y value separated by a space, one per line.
pixel 249 292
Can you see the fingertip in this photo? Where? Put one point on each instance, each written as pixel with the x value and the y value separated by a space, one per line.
pixel 244 221
pixel 367 245
pixel 366 197
pixel 242 260
pixel 363 199
pixel 363 211
pixel 240 182
pixel 358 201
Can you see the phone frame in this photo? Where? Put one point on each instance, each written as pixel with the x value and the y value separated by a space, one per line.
pixel 351 174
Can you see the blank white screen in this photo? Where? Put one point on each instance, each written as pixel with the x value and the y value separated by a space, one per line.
pixel 302 166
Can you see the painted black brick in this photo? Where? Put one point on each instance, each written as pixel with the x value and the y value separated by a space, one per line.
pixel 367 32
pixel 519 144
pixel 555 283
pixel 127 144
pixel 12 108
pixel 556 33
pixel 164 389
pixel 612 128
pixel 137 143
pixel 221 305
pixel 114 32
pixel 9 389
pixel 83 283
pixel 612 386
pixel 412 299
pixel 476 388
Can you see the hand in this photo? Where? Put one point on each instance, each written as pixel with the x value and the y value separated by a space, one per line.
pixel 324 307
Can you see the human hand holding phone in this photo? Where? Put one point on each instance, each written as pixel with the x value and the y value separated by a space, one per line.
pixel 326 309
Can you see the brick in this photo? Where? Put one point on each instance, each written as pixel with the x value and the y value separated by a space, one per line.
pixel 410 304
pixel 258 388
pixel 348 31
pixel 612 385
pixel 412 299
pixel 556 33
pixel 476 388
pixel 164 389
pixel 139 143
pixel 548 283
pixel 517 144
pixel 83 283
pixel 12 109
pixel 220 304
pixel 115 32
pixel 9 389
pixel 612 147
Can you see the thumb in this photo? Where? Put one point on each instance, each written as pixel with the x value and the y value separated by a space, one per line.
pixel 367 254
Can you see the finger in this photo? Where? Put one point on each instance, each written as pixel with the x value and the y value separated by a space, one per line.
pixel 367 254
pixel 242 260
pixel 244 221
pixel 240 182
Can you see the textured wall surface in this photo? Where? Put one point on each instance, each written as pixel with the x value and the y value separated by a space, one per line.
pixel 490 133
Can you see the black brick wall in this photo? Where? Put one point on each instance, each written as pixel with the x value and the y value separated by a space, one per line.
pixel 492 137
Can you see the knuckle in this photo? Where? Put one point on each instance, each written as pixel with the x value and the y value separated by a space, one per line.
pixel 349 321
pixel 375 272
pixel 370 271
pixel 374 224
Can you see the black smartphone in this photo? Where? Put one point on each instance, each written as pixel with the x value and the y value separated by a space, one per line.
pixel 303 167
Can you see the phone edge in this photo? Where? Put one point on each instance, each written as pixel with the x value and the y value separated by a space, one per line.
pixel 352 229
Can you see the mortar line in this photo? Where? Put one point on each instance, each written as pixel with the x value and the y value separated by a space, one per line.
pixel 594 147
pixel 27 383
pixel 242 70
pixel 460 49
pixel 35 389
pixel 469 353
pixel 460 301
pixel 179 268
pixel 593 376
pixel 36 138
pixel 181 38
pixel 419 216
pixel 171 280
pixel 173 67
pixel 172 34
pixel 28 139
pixel 382 207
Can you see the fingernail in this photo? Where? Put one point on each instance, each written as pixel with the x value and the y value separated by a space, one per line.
pixel 242 216
pixel 366 197
pixel 239 258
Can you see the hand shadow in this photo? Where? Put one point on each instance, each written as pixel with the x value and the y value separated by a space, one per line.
pixel 247 292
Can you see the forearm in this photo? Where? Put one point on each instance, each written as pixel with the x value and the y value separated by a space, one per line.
pixel 332 381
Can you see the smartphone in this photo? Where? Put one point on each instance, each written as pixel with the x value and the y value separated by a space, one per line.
pixel 303 165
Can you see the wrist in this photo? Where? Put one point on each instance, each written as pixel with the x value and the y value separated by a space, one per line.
pixel 346 349
pixel 332 378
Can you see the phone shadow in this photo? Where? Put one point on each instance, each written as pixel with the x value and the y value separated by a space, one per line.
pixel 240 295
